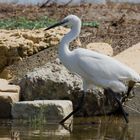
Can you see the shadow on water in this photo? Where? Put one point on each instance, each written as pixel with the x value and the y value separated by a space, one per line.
pixel 97 128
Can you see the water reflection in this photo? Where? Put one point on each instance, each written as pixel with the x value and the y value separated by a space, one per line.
pixel 103 130
pixel 99 128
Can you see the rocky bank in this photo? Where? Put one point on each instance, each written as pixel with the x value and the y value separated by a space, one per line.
pixel 15 45
pixel 28 59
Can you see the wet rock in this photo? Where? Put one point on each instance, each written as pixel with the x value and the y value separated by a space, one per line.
pixel 9 94
pixel 103 48
pixel 131 57
pixel 50 110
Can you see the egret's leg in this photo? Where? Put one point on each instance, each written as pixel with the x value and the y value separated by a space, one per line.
pixel 120 105
pixel 80 104
pixel 131 85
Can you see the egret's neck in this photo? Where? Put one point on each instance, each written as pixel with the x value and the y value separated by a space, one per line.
pixel 64 50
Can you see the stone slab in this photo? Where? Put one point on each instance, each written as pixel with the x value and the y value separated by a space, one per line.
pixel 50 110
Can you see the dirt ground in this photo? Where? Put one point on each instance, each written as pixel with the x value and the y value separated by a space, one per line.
pixel 119 23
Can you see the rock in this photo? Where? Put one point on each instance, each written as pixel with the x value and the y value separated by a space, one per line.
pixel 133 106
pixel 53 81
pixel 50 110
pixel 9 94
pixel 18 44
pixel 3 82
pixel 18 70
pixel 131 57
pixel 103 48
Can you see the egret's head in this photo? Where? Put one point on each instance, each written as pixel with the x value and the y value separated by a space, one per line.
pixel 71 20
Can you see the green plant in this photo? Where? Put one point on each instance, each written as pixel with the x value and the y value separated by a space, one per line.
pixel 91 24
pixel 42 22
pixel 24 23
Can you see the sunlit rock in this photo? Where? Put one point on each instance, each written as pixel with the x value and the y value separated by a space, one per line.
pixel 51 81
pixel 131 57
pixel 18 44
pixel 103 48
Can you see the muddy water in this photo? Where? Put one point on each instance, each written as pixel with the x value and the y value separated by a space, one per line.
pixel 99 128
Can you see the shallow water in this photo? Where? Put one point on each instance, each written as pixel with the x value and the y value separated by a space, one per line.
pixel 97 128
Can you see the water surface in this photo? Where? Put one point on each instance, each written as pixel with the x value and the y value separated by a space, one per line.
pixel 97 128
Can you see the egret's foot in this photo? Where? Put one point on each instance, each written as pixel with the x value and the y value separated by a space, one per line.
pixel 127 114
pixel 130 92
pixel 80 105
pixel 117 99
pixel 122 110
pixel 118 111
pixel 128 97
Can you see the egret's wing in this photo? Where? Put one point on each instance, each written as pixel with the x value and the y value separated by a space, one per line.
pixel 101 68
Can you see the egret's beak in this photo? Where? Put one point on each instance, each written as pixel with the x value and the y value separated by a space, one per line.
pixel 57 24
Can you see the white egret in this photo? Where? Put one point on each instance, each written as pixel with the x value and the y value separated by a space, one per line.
pixel 94 68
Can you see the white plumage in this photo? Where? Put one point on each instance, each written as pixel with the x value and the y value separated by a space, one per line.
pixel 94 68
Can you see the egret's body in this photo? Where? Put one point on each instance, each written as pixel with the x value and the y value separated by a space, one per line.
pixel 94 68
pixel 98 69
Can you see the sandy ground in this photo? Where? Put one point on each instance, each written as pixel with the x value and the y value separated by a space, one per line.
pixel 119 23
